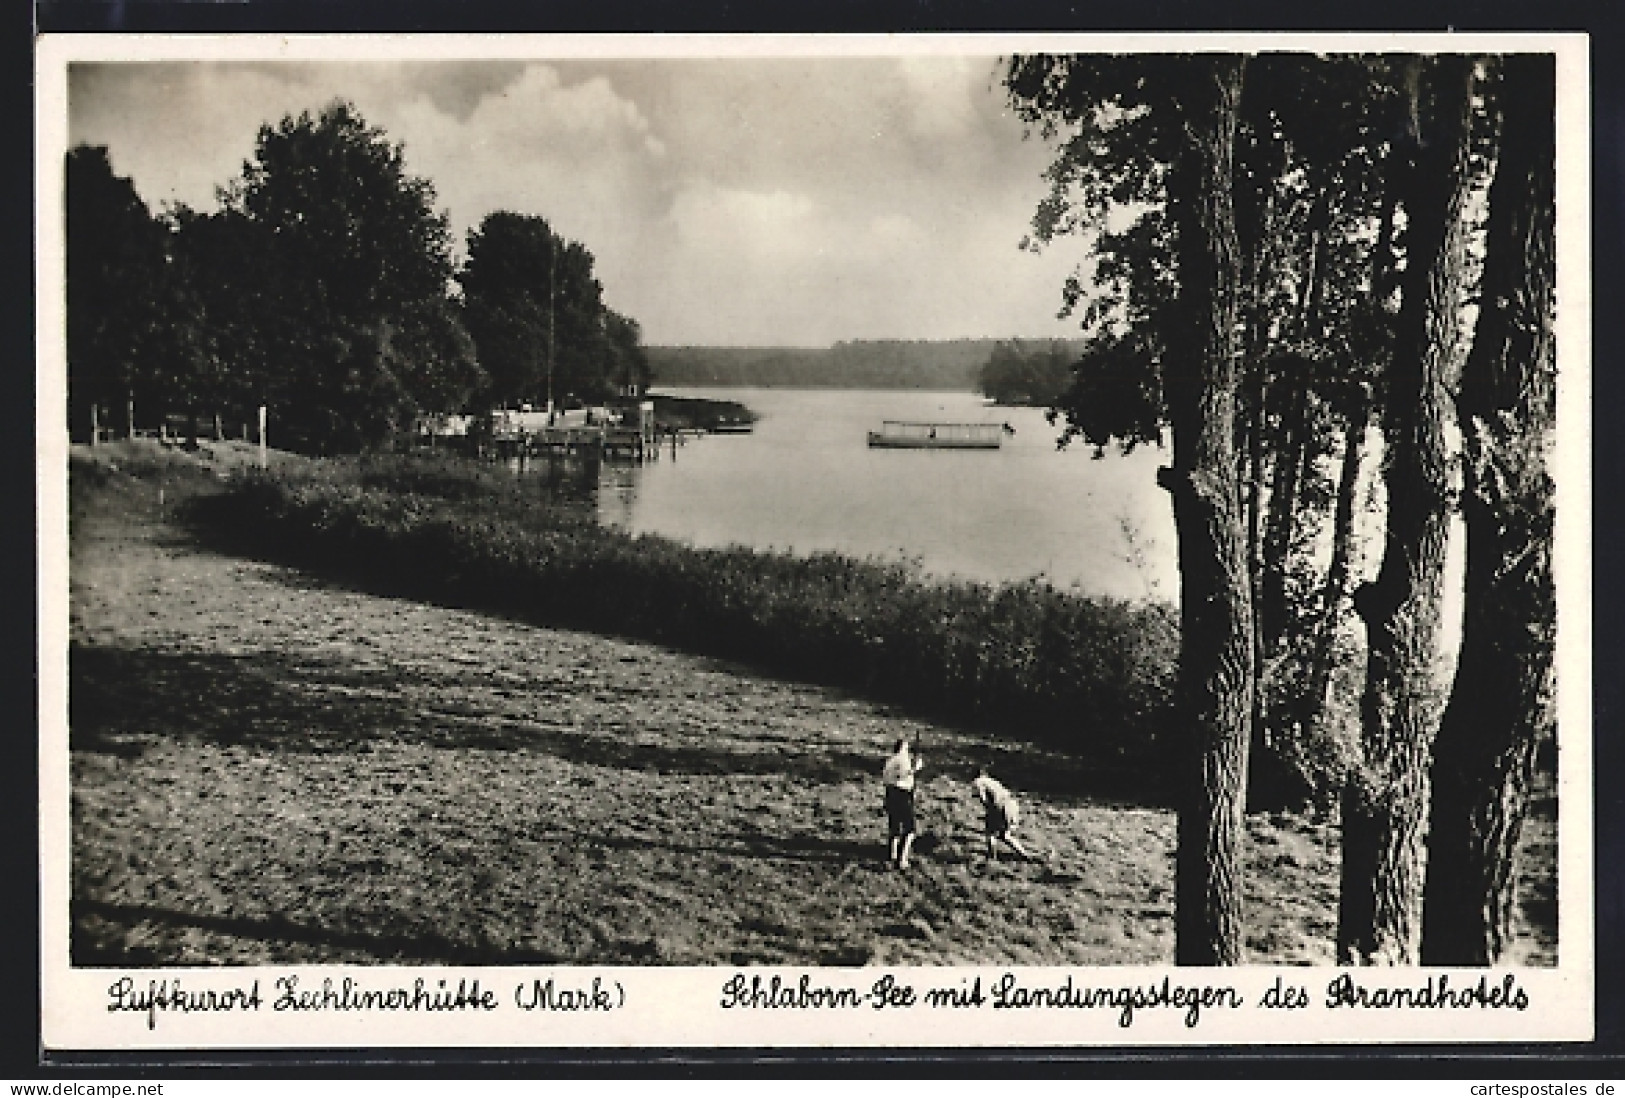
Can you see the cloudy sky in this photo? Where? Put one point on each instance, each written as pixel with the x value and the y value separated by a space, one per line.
pixel 729 201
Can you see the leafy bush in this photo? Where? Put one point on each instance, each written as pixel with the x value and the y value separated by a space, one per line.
pixel 1092 675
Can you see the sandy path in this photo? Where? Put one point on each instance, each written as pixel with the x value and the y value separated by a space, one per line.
pixel 267 768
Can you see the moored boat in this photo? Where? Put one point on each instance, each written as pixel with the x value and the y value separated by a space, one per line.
pixel 901 435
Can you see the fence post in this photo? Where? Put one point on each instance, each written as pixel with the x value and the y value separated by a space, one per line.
pixel 264 457
pixel 95 425
pixel 129 411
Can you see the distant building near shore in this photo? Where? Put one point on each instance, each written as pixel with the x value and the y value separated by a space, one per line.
pixel 622 419
pixel 445 426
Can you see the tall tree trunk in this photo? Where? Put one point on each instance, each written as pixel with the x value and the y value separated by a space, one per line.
pixel 1317 697
pixel 1306 324
pixel 1258 381
pixel 1253 415
pixel 1290 459
pixel 1293 453
pixel 1360 410
pixel 1255 488
pixel 1255 527
pixel 1383 262
pixel 1501 703
pixel 1216 648
pixel 1385 802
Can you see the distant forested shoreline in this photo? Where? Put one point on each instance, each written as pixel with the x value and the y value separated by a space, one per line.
pixel 858 364
pixel 1031 372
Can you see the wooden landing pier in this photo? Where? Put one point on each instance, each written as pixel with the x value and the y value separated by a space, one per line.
pixel 627 432
pixel 594 441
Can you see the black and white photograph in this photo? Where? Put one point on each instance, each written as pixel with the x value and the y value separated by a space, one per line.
pixel 687 536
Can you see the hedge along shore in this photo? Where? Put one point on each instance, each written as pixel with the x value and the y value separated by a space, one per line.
pixel 1092 676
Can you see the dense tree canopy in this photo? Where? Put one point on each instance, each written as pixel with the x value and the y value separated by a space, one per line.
pixel 333 195
pixel 508 287
pixel 538 316
pixel 1314 219
pixel 352 268
pixel 115 268
pixel 1018 372
pixel 324 287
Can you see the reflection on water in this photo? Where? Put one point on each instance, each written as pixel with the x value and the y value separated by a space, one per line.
pixel 805 480
pixel 617 492
pixel 567 478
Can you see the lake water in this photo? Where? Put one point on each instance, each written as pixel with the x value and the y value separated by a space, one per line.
pixel 806 480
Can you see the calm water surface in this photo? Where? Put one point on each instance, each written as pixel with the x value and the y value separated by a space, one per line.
pixel 805 480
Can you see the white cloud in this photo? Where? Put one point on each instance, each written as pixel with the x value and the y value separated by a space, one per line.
pixel 178 131
pixel 752 224
pixel 578 154
pixel 940 90
pixel 892 231
pixel 726 201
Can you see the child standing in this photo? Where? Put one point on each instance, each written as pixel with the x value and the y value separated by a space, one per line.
pixel 898 776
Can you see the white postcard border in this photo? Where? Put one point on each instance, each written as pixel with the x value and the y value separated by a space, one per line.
pixel 682 1007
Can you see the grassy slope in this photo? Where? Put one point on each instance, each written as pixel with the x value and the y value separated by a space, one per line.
pixel 269 768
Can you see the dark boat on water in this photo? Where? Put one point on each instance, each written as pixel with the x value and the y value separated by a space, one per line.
pixel 900 435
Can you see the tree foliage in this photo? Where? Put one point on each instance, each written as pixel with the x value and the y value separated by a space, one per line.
pixel 538 317
pixel 1025 372
pixel 1314 223
pixel 324 288
pixel 115 267
pixel 348 287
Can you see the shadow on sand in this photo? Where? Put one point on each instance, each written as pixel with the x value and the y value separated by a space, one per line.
pixel 121 698
pixel 426 948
